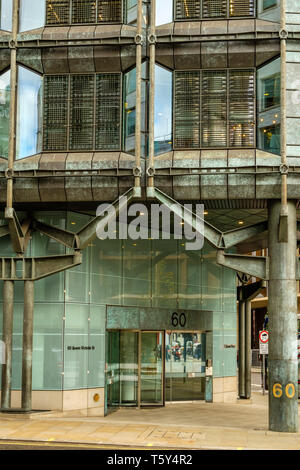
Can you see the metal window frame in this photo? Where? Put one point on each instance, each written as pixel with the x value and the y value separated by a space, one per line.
pixel 201 147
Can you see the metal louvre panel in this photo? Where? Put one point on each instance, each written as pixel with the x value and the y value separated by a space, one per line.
pixel 108 99
pixel 241 7
pixel 187 9
pixel 109 10
pixel 55 112
pixel 58 12
pixel 187 110
pixel 214 8
pixel 241 108
pixel 82 112
pixel 83 11
pixel 214 108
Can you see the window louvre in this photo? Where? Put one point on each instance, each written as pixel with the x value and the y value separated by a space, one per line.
pixel 58 12
pixel 241 7
pixel 191 9
pixel 187 9
pixel 187 110
pixel 82 112
pixel 83 11
pixel 109 10
pixel 55 112
pixel 241 108
pixel 214 107
pixel 214 8
pixel 108 111
pixel 227 109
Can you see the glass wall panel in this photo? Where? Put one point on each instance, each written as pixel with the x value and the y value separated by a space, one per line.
pixel 6 15
pixel 29 113
pixel 163 110
pixel 32 14
pixel 47 346
pixel 96 359
pixel 268 107
pixel 189 278
pixel 164 273
pixel 137 272
pixel 4 113
pixel 76 344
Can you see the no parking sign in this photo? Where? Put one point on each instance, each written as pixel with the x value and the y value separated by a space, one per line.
pixel 264 342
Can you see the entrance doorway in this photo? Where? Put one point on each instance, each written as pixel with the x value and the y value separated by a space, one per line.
pixel 147 368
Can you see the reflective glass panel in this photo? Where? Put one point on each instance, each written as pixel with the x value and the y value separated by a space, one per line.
pixel 32 14
pixel 162 110
pixel 268 106
pixel 6 14
pixel 4 113
pixel 164 11
pixel 151 367
pixel 29 123
pixel 128 368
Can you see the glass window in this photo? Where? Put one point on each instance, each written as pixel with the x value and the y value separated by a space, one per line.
pixel 6 14
pixel 269 3
pixel 222 114
pixel 162 111
pixel 32 14
pixel 164 11
pixel 29 113
pixel 129 104
pixel 4 113
pixel 268 107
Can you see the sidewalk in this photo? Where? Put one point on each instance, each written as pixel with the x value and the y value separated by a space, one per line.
pixel 198 425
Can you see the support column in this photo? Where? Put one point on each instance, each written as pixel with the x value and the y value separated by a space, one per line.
pixel 242 349
pixel 8 310
pixel 248 358
pixel 283 361
pixel 27 346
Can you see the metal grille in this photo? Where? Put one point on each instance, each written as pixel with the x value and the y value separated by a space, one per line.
pixel 108 121
pixel 241 7
pixel 241 108
pixel 82 112
pixel 187 110
pixel 83 11
pixel 55 112
pixel 227 103
pixel 214 108
pixel 109 10
pixel 214 8
pixel 187 9
pixel 58 11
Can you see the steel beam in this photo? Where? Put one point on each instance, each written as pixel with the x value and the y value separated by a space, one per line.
pixel 256 266
pixel 8 310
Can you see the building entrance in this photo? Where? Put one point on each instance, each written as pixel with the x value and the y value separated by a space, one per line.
pixel 148 368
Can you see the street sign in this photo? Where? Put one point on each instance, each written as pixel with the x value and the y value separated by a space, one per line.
pixel 264 342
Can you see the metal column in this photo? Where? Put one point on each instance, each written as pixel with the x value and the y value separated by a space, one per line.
pixel 248 358
pixel 241 348
pixel 8 310
pixel 283 363
pixel 27 346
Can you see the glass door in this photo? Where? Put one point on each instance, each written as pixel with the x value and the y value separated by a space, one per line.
pixel 151 368
pixel 128 368
pixel 113 371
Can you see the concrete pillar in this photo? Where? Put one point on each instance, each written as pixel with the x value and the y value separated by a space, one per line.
pixel 248 358
pixel 283 363
pixel 27 346
pixel 7 335
pixel 242 349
